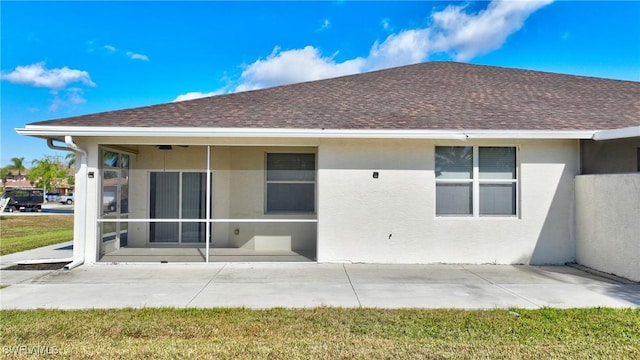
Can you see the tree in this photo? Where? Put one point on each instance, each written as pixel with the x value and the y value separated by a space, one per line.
pixel 18 164
pixel 5 173
pixel 71 159
pixel 46 172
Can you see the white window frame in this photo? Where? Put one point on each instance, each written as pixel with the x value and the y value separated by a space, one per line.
pixel 267 182
pixel 475 182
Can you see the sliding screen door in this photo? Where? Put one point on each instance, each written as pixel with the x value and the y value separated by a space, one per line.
pixel 164 203
pixel 175 195
pixel 194 204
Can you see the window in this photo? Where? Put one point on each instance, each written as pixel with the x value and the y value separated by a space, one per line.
pixel 290 182
pixel 115 195
pixel 115 182
pixel 475 181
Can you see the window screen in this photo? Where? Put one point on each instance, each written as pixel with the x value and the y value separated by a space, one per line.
pixel 291 182
pixel 476 181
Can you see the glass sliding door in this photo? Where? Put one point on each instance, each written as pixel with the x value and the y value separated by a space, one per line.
pixel 177 195
pixel 194 204
pixel 164 203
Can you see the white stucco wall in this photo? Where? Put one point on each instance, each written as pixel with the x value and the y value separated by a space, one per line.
pixel 86 230
pixel 392 219
pixel 357 214
pixel 608 223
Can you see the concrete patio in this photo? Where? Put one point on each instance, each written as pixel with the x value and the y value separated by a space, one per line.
pixel 198 255
pixel 299 285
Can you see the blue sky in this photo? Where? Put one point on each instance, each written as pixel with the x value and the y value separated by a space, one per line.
pixel 62 59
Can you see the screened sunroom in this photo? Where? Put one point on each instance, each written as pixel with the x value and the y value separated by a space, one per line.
pixel 202 203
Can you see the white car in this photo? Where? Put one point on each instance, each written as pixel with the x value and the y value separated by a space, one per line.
pixel 66 199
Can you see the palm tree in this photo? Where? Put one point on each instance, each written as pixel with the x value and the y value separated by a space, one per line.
pixel 71 159
pixel 46 172
pixel 18 164
pixel 5 173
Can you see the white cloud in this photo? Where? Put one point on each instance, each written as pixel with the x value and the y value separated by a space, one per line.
pixel 71 97
pixel 386 23
pixel 75 96
pixel 135 56
pixel 297 65
pixel 114 50
pixel 196 95
pixel 37 75
pixel 90 46
pixel 325 25
pixel 468 35
pixel 56 104
pixel 54 79
pixel 452 31
pixel 407 47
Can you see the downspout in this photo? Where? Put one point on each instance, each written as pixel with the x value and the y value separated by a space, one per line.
pixel 80 210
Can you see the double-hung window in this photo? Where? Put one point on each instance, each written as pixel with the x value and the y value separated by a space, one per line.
pixel 476 181
pixel 291 183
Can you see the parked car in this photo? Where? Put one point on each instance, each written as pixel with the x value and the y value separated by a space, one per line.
pixel 53 196
pixel 124 206
pixel 66 199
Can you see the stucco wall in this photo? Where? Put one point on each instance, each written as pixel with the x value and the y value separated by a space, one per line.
pixel 608 223
pixel 392 219
pixel 610 156
pixel 386 220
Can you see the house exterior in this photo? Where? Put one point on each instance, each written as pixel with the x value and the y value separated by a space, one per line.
pixel 437 162
pixel 15 178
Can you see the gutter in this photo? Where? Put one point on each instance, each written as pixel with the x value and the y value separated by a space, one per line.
pixel 53 146
pixel 317 133
pixel 80 211
pixel 622 133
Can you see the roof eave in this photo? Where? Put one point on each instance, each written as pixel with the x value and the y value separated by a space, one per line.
pixel 85 131
pixel 622 133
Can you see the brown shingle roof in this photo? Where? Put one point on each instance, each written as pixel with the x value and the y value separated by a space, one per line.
pixel 426 96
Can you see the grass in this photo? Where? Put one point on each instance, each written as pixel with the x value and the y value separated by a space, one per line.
pixel 326 333
pixel 20 233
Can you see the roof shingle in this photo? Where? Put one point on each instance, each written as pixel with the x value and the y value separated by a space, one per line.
pixel 426 96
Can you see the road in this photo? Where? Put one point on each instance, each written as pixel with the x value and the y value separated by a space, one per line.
pixel 47 209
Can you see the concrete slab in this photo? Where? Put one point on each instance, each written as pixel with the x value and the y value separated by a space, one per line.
pixel 484 296
pixel 287 273
pixel 138 275
pixel 577 295
pixel 103 296
pixel 129 255
pixel 518 274
pixel 295 285
pixel 12 277
pixel 410 274
pixel 278 285
pixel 58 251
pixel 276 294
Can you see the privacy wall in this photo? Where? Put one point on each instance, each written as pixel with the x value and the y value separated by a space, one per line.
pixel 608 223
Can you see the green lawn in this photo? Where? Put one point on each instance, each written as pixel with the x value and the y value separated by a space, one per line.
pixel 328 333
pixel 20 233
